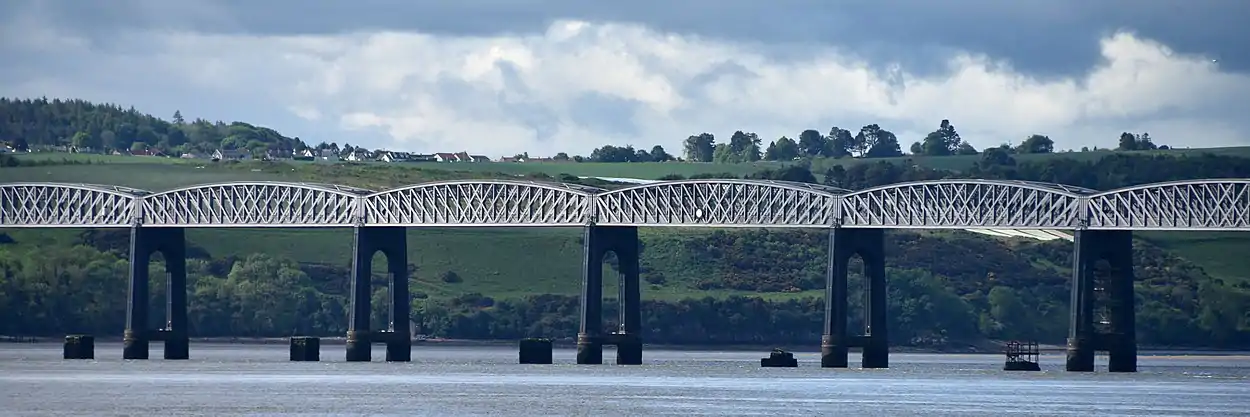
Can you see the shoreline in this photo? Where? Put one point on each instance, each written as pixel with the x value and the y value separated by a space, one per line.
pixel 984 348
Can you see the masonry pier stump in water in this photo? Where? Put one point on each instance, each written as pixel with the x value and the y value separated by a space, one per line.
pixel 392 242
pixel 836 341
pixel 597 242
pixel 779 359
pixel 305 349
pixel 1114 333
pixel 79 346
pixel 144 242
pixel 535 351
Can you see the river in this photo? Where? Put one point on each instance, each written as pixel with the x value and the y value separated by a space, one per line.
pixel 223 380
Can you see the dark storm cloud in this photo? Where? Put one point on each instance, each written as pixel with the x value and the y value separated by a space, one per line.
pixel 1038 36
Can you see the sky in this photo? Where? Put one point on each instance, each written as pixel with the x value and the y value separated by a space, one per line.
pixel 500 77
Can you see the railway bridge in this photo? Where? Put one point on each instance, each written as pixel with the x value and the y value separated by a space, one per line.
pixel 1101 223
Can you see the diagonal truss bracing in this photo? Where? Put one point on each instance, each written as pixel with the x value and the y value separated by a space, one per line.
pixel 722 203
pixel 965 204
pixel 480 203
pixel 66 205
pixel 253 204
pixel 1181 205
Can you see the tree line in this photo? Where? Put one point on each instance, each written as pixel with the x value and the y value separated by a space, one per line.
pixel 870 141
pixel 89 127
pixel 43 124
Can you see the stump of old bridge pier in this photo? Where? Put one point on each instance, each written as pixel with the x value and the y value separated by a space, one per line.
pixel 779 359
pixel 535 351
pixel 79 346
pixel 1021 356
pixel 305 349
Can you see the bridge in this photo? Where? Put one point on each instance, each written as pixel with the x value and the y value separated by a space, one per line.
pixel 1101 223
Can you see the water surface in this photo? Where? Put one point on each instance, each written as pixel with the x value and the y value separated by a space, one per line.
pixel 224 380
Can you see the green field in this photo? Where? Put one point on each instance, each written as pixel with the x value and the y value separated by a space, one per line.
pixel 964 162
pixel 640 170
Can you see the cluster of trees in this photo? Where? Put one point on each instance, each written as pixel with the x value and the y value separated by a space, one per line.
pixel 871 141
pixel 43 124
pixel 627 153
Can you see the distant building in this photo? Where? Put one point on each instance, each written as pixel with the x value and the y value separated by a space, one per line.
pixel 328 156
pixel 231 155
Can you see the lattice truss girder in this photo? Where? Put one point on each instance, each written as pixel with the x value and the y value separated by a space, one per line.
pixel 961 204
pixel 478 204
pixel 1191 205
pixel 712 203
pixel 46 205
pixel 250 205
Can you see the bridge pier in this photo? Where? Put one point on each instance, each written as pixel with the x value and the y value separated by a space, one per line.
pixel 869 244
pixel 597 242
pixel 170 242
pixel 392 242
pixel 1119 337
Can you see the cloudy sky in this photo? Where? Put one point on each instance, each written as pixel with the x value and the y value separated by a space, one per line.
pixel 500 77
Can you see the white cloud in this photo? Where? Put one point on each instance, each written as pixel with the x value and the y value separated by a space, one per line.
pixel 545 92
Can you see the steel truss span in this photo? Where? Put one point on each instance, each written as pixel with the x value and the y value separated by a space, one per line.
pixel 728 203
pixel 1216 204
pixel 253 204
pixel 480 203
pixel 963 204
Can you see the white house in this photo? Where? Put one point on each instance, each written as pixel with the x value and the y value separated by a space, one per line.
pixel 390 156
pixel 231 155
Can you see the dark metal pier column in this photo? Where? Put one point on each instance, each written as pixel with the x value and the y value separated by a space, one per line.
pixel 367 241
pixel 597 242
pixel 177 340
pixel 1084 337
pixel 399 343
pixel 170 242
pixel 833 342
pixel 877 346
pixel 869 244
pixel 590 335
pixel 629 339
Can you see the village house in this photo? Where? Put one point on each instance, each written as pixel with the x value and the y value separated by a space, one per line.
pixel 146 152
pixel 231 155
pixel 360 155
pixel 327 156
pixel 391 156
pixel 304 155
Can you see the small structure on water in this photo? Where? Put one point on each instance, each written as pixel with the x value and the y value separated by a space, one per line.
pixel 1021 356
pixel 779 359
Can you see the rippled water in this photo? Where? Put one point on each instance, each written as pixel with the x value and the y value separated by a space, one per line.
pixel 462 381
